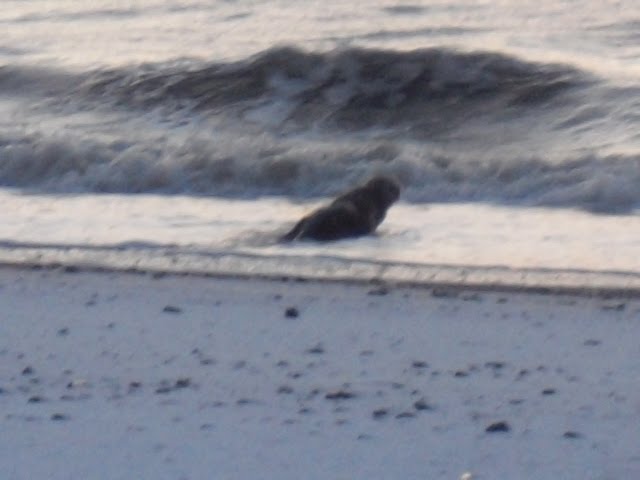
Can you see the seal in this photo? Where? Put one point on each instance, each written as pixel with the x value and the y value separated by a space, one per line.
pixel 355 213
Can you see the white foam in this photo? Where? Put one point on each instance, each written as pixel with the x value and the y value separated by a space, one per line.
pixel 453 243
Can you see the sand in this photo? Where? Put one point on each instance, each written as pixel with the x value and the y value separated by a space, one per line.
pixel 140 376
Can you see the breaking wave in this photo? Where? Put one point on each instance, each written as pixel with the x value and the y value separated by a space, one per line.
pixel 347 89
pixel 303 124
pixel 251 167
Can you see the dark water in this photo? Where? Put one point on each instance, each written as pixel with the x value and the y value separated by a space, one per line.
pixel 304 114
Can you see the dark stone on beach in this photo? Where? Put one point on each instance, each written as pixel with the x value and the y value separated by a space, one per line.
pixel 59 417
pixel 134 385
pixel 460 374
pixel 317 350
pixel 63 332
pixel 340 395
pixel 549 391
pixel 498 427
pixel 183 383
pixel 419 364
pixel 592 342
pixel 380 413
pixel 405 415
pixel 172 309
pixel 571 435
pixel 27 371
pixel 35 399
pixel 285 390
pixel 164 388
pixel 422 405
pixel 291 312
pixel 495 365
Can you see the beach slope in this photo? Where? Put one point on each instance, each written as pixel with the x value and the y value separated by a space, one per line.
pixel 123 375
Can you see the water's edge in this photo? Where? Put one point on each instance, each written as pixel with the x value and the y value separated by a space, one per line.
pixel 445 280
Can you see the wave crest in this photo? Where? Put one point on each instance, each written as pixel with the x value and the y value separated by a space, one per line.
pixel 249 167
pixel 351 88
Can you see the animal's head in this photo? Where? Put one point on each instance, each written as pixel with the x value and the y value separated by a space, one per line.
pixel 386 189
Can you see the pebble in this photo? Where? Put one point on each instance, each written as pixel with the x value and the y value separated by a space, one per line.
pixel 380 413
pixel 495 365
pixel 285 390
pixel 405 415
pixel 340 395
pixel 498 427
pixel 172 309
pixel 183 383
pixel 421 405
pixel 291 312
pixel 317 350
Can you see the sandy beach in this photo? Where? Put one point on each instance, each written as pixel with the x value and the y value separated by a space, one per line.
pixel 122 375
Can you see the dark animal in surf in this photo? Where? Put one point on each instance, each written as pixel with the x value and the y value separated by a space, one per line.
pixel 353 214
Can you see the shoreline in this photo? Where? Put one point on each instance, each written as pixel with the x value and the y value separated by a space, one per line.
pixel 322 269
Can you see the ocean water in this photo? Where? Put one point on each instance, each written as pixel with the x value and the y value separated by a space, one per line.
pixel 192 133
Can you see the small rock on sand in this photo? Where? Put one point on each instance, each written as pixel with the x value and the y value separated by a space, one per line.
pixel 172 309
pixel 379 413
pixel 340 395
pixel 316 350
pixel 422 405
pixel 498 427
